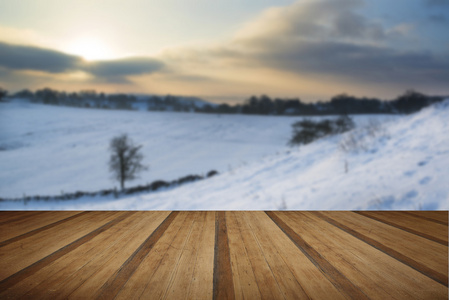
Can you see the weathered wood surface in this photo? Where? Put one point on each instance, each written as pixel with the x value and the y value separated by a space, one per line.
pixel 224 255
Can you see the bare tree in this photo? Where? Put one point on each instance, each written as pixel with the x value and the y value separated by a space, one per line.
pixel 125 162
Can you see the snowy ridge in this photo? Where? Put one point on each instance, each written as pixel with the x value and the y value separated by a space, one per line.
pixel 405 167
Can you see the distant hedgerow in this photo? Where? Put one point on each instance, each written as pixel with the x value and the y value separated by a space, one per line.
pixel 307 131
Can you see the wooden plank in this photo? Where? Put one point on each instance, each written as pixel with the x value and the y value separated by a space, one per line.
pixel 422 255
pixel 342 283
pixel 48 280
pixel 26 223
pixel 35 228
pixel 424 228
pixel 29 270
pixel 267 284
pixel 309 277
pixel 223 284
pixel 377 274
pixel 440 217
pixel 23 253
pixel 78 257
pixel 159 283
pixel 289 285
pixel 109 264
pixel 87 277
pixel 151 278
pixel 61 277
pixel 182 274
pixel 201 285
pixel 115 283
pixel 8 217
pixel 245 284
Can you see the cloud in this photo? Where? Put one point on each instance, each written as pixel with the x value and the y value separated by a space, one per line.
pixel 318 19
pixel 316 43
pixel 30 58
pixel 189 78
pixel 33 58
pixel 331 38
pixel 361 63
pixel 118 70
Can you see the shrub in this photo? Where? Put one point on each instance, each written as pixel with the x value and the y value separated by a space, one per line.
pixel 159 184
pixel 307 131
pixel 188 178
pixel 211 173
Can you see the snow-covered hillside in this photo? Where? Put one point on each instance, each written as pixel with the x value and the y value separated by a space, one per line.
pixel 403 165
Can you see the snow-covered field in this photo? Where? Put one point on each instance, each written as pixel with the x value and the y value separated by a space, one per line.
pixel 405 165
pixel 50 149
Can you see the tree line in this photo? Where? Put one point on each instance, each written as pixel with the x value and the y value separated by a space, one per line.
pixel 409 102
pixel 343 104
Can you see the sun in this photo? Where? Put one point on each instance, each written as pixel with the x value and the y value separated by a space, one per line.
pixel 89 48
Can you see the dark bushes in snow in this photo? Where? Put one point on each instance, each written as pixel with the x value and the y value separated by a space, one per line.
pixel 188 178
pixel 158 184
pixel 307 131
pixel 154 186
pixel 212 173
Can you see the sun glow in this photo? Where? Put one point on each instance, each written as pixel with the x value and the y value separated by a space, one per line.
pixel 89 48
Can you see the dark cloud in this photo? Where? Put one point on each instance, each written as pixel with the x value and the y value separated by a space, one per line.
pixel 361 63
pixel 18 80
pixel 350 25
pixel 118 70
pixel 436 2
pixel 345 44
pixel 17 57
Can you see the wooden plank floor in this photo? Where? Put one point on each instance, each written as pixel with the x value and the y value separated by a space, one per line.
pixel 223 255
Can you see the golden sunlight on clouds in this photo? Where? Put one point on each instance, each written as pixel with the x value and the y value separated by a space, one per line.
pixel 312 49
pixel 239 83
pixel 90 48
pixel 26 37
pixel 78 76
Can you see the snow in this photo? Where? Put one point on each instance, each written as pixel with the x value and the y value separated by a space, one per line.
pixel 404 164
pixel 50 149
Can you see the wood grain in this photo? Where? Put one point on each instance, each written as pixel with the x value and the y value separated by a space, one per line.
pixel 223 283
pixel 29 228
pixel 344 285
pixel 424 228
pixel 377 274
pixel 267 284
pixel 39 264
pixel 223 255
pixel 111 288
pixel 29 223
pixel 140 280
pixel 60 278
pixel 399 245
pixel 440 217
pixel 201 284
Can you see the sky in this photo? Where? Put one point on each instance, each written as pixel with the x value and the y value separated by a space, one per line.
pixel 226 51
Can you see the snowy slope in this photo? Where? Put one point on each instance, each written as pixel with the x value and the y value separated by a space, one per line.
pixel 404 167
